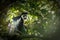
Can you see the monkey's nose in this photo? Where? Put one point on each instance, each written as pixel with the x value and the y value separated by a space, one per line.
pixel 25 17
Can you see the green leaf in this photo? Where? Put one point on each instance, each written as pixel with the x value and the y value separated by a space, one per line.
pixel 44 11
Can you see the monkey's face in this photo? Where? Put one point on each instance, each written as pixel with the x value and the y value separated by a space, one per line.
pixel 24 17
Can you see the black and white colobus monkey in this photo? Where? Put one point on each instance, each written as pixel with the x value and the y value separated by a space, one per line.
pixel 17 24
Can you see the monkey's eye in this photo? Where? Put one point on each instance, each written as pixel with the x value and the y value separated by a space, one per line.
pixel 24 15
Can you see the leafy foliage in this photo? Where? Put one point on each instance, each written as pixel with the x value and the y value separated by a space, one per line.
pixel 41 17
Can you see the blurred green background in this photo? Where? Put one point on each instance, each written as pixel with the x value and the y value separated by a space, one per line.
pixel 43 21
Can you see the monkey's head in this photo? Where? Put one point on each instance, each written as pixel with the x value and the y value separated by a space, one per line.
pixel 24 15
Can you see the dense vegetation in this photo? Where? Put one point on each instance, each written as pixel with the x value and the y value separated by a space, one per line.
pixel 43 18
